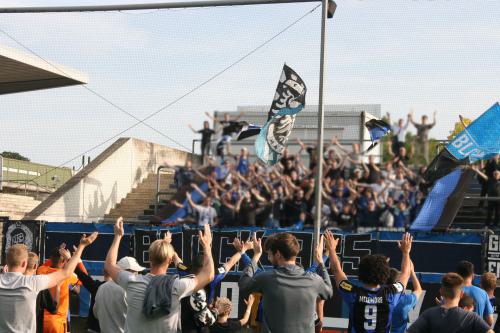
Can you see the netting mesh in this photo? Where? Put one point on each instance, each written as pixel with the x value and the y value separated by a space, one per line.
pixel 427 54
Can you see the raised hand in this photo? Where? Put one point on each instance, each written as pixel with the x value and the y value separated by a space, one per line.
pixel 167 237
pixel 331 242
pixel 248 245
pixel 250 300
pixel 238 245
pixel 257 245
pixel 318 253
pixel 118 228
pixel 206 237
pixel 65 253
pixel 87 240
pixel 405 243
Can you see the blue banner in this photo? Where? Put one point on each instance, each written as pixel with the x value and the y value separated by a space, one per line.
pixel 480 140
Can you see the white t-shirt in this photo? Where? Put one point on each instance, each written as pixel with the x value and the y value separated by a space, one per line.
pixel 18 294
pixel 206 215
pixel 110 308
pixel 135 287
pixel 399 131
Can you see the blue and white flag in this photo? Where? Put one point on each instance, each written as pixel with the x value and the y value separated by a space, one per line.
pixel 480 140
pixel 289 99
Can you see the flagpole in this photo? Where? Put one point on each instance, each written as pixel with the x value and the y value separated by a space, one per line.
pixel 321 111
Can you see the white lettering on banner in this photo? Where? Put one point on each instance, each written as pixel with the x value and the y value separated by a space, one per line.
pixel 466 146
pixel 224 241
pixel 493 243
pixel 494 267
pixel 235 296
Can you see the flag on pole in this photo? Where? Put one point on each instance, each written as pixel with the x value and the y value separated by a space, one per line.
pixel 377 129
pixel 478 141
pixel 289 99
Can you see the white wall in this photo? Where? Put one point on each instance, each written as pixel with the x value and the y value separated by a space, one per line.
pixel 94 195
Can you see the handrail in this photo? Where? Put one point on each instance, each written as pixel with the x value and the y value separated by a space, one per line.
pixel 158 192
pixel 482 198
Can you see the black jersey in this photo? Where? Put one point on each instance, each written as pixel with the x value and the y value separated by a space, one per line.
pixel 370 311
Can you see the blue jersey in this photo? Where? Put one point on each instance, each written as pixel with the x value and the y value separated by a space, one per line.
pixel 483 306
pixel 370 311
pixel 242 166
pixel 400 316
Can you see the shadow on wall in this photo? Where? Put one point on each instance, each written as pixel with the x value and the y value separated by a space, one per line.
pixel 98 205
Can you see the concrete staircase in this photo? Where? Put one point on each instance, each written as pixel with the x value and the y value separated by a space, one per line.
pixel 16 206
pixel 141 199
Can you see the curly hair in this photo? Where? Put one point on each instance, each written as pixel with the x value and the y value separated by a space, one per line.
pixel 224 305
pixel 374 269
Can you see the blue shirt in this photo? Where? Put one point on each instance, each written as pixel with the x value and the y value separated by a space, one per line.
pixel 400 314
pixel 483 306
pixel 370 311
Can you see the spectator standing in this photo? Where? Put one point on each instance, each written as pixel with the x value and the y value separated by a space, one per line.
pixel 206 140
pixel 18 292
pixel 289 293
pixel 370 306
pixel 489 284
pixel 398 133
pixel 226 325
pixel 58 322
pixel 449 317
pixel 153 300
pixel 110 305
pixel 407 302
pixel 206 213
pixel 422 138
pixel 483 306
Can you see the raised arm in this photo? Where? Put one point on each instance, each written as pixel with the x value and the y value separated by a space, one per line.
pixel 241 248
pixel 207 273
pixel 209 116
pixel 405 246
pixel 246 316
pixel 192 129
pixel 190 200
pixel 198 190
pixel 68 269
pixel 417 288
pixel 335 265
pixel 110 265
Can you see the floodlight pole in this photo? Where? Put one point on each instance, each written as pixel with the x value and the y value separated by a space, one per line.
pixel 321 110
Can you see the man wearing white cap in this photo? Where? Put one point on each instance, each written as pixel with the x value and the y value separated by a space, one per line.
pixel 110 304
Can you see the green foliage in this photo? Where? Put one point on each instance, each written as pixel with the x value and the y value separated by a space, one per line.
pixel 15 156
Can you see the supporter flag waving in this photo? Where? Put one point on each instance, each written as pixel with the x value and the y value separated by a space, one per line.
pixel 377 129
pixel 478 141
pixel 289 99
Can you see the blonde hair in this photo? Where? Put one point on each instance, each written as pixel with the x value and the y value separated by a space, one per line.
pixel 224 306
pixel 16 254
pixel 33 260
pixel 160 252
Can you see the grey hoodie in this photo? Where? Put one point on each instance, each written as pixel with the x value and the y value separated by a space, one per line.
pixel 289 296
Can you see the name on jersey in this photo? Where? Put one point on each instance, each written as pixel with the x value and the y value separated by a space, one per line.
pixel 371 300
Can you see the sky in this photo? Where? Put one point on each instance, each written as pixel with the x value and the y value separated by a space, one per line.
pixel 429 55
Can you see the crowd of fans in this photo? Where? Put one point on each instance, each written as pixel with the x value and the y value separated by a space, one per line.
pixel 285 298
pixel 357 191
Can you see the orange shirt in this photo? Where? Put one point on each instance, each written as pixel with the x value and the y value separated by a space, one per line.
pixel 63 306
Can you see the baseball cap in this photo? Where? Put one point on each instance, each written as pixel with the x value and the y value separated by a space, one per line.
pixel 129 263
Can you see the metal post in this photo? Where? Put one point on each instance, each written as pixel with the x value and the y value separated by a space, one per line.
pixel 321 111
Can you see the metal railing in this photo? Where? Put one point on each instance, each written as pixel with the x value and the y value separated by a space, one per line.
pixel 158 192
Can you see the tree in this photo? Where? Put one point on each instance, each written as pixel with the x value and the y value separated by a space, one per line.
pixel 15 156
pixel 459 127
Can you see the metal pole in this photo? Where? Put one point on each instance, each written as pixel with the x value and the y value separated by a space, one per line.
pixel 321 111
pixel 165 5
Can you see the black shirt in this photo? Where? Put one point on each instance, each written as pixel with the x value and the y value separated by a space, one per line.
pixel 453 320
pixel 206 135
pixel 231 326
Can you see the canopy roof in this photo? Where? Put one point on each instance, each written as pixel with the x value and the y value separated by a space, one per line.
pixel 21 72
